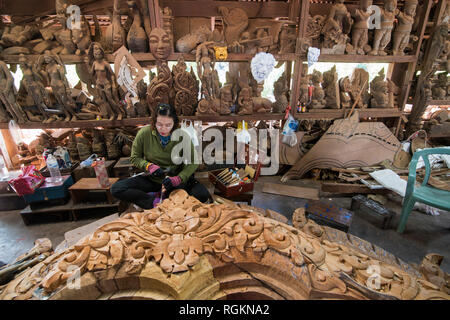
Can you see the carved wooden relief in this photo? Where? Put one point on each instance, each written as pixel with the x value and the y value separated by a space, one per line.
pixel 193 250
pixel 348 143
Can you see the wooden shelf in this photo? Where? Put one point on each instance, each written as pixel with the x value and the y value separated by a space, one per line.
pixel 148 57
pixel 355 58
pixel 438 102
pixel 142 121
pixel 339 113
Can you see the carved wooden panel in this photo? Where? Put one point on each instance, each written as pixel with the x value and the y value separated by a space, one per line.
pixel 348 143
pixel 184 249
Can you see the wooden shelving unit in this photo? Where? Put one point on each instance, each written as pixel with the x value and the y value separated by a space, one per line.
pixel 296 11
pixel 402 71
pixel 142 121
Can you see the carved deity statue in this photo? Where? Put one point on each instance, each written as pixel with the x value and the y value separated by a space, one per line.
pixel 160 45
pixel 107 92
pixel 360 83
pixel 344 92
pixel 56 74
pixel 337 25
pixel 318 96
pixel 280 91
pixel 403 30
pixel 331 88
pixel 245 101
pixel 439 89
pixel 360 31
pixel 226 100
pixel 383 35
pixel 82 37
pixel 8 97
pixel 379 91
pixel 32 82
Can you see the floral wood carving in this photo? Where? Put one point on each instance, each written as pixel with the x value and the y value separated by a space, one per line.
pixel 160 87
pixel 181 230
pixel 186 87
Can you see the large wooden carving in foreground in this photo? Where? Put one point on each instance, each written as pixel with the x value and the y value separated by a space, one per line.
pixel 348 143
pixel 184 249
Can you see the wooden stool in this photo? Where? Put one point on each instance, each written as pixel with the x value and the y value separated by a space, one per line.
pixel 79 189
pixel 243 197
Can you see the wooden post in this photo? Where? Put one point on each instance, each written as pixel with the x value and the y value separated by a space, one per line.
pixel 419 104
pixel 403 74
pixel 10 146
pixel 303 23
pixel 155 14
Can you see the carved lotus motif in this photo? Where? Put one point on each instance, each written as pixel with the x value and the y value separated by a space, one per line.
pixel 310 261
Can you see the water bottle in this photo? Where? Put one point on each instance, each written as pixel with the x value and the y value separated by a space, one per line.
pixel 3 170
pixel 53 168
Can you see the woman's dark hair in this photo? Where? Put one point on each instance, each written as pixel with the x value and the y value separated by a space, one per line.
pixel 166 110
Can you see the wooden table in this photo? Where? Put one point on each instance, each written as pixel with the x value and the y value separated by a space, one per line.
pixel 79 189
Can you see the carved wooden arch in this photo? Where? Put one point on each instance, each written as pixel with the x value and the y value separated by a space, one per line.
pixel 184 249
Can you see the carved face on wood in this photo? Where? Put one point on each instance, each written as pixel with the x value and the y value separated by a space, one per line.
pixel 410 7
pixel 262 65
pixel 390 5
pixel 98 52
pixel 160 44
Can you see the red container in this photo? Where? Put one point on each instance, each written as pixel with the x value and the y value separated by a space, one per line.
pixel 231 191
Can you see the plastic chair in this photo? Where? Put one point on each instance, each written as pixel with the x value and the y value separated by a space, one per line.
pixel 425 193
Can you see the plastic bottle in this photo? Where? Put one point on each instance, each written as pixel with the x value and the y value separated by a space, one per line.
pixel 3 170
pixel 53 168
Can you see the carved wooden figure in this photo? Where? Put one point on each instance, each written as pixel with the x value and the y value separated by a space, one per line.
pixel 137 38
pixel 360 31
pixel 245 101
pixel 64 35
pixel 331 88
pixel 235 21
pixel 56 73
pixel 32 82
pixel 160 45
pixel 337 25
pixel 105 82
pixel 82 37
pixel 344 94
pixel 439 89
pixel 379 91
pixel 168 25
pixel 226 100
pixel 8 96
pixel 318 96
pixel 360 81
pixel 383 35
pixel 280 91
pixel 403 30
pixel 115 35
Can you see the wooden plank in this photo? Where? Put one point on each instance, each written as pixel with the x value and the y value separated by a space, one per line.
pixel 91 184
pixel 339 113
pixel 345 188
pixel 291 191
pixel 142 121
pixel 208 8
pixel 366 58
pixel 148 57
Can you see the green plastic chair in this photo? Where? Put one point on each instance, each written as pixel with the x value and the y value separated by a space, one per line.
pixel 425 193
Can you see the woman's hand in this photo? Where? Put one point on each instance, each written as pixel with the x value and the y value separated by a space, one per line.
pixel 170 183
pixel 155 170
